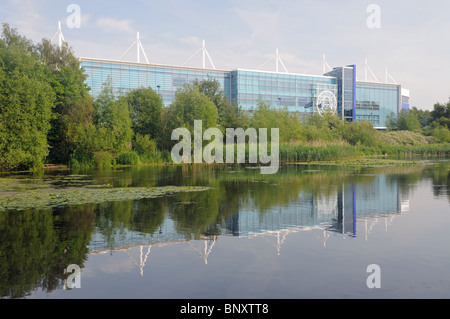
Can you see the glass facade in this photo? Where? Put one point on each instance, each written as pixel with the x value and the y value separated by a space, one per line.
pixel 296 92
pixel 346 79
pixel 165 80
pixel 375 101
pixel 356 101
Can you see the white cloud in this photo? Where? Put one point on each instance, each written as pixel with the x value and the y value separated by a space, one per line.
pixel 114 25
pixel 24 15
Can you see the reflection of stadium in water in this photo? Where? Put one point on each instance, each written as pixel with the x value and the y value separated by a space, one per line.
pixel 335 212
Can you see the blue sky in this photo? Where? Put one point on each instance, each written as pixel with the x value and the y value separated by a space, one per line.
pixel 412 41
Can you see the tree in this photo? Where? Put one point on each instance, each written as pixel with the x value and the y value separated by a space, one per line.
pixel 391 122
pixel 26 101
pixel 405 121
pixel 360 133
pixel 441 134
pixel 73 104
pixel 190 104
pixel 408 121
pixel 145 107
pixel 113 120
pixel 441 114
pixel 233 116
pixel 423 116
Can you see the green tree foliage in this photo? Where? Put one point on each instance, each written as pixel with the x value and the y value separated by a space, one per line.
pixel 408 121
pixel 230 115
pixel 73 104
pixel 26 101
pixel 145 108
pixel 360 133
pixel 289 125
pixel 233 116
pixel 190 104
pixel 113 121
pixel 142 144
pixel 405 121
pixel 424 116
pixel 441 134
pixel 441 114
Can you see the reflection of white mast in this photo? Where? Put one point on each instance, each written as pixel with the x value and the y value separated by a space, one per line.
pixel 324 237
pixel 280 238
pixel 204 55
pixel 59 35
pixel 142 258
pixel 208 246
pixel 139 47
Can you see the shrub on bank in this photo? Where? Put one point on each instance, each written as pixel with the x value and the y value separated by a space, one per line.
pixel 103 159
pixel 128 158
pixel 403 138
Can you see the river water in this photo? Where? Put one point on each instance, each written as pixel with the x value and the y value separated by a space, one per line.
pixel 305 232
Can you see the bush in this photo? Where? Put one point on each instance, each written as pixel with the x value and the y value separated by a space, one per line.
pixel 103 159
pixel 360 133
pixel 142 144
pixel 441 134
pixel 402 138
pixel 128 158
pixel 79 161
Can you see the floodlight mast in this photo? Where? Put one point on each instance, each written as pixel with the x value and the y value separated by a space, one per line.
pixel 325 65
pixel 367 68
pixel 278 61
pixel 60 36
pixel 204 55
pixel 388 75
pixel 139 47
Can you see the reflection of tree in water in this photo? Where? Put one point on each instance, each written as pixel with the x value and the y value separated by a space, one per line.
pixel 195 214
pixel 407 177
pixel 440 176
pixel 114 219
pixel 37 246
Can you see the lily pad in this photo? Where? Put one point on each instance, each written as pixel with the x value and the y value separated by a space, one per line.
pixel 41 199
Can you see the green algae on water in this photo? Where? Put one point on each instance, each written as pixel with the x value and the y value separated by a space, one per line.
pixel 48 198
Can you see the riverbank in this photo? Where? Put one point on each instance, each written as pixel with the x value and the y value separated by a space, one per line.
pixel 327 153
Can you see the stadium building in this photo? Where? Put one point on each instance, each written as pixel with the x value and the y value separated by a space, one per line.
pixel 337 89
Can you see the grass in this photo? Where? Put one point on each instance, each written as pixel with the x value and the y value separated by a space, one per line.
pixel 364 162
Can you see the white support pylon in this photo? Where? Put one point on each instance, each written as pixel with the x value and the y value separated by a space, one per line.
pixel 389 76
pixel 60 36
pixel 204 55
pixel 278 61
pixel 367 68
pixel 325 65
pixel 139 47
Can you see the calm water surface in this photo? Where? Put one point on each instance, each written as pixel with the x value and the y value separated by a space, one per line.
pixel 306 232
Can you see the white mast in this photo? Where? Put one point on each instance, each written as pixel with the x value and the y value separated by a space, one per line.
pixel 367 68
pixel 204 55
pixel 389 76
pixel 325 64
pixel 139 47
pixel 59 35
pixel 278 61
